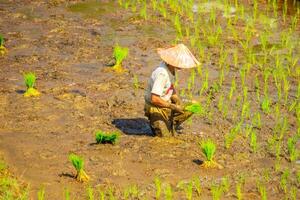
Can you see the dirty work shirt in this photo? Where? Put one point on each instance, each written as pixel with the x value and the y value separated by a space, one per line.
pixel 161 83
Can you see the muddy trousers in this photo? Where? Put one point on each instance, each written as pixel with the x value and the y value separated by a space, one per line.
pixel 163 121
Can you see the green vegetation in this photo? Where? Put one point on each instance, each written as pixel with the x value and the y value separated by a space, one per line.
pixel 195 108
pixel 2 48
pixel 120 53
pixel 208 148
pixel 29 79
pixel 78 163
pixel 102 137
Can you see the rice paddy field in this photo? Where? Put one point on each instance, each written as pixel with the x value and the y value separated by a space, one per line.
pixel 72 81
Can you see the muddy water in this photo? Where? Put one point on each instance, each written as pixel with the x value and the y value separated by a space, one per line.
pixel 68 46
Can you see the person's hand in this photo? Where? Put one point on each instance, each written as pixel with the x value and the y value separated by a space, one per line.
pixel 176 108
pixel 175 99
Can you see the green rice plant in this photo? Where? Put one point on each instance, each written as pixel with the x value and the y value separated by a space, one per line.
pixel 3 50
pixel 157 183
pixel 284 126
pixel 188 189
pixel 257 88
pixel 111 195
pixel 262 190
pixel 298 177
pixel 243 76
pixel 232 134
pixel 253 141
pixel 256 121
pixel 208 148
pixel 216 191
pixel 205 83
pixel 293 193
pixel 143 11
pixel 29 79
pixel 197 185
pixel 168 192
pixel 239 186
pixel 275 8
pixel 195 108
pixel 67 194
pixel 120 53
pixel 213 16
pixel 78 164
pixel 103 137
pixel 177 25
pixel 90 193
pixel 101 194
pixel 232 89
pixel 136 84
pixel 294 23
pixel 286 88
pixel 220 103
pixel 284 11
pixel 266 105
pixel 292 150
pixel 221 77
pixel 225 184
pixel 264 39
pixel 41 193
pixel 284 180
pixel 245 110
pixel 132 192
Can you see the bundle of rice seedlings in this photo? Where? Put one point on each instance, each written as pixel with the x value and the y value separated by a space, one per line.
pixel 78 163
pixel 208 148
pixel 2 48
pixel 29 79
pixel 102 137
pixel 120 53
pixel 195 108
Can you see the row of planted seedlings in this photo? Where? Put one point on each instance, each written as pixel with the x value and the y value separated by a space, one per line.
pixel 261 68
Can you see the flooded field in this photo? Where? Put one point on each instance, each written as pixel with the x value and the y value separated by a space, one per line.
pixel 248 84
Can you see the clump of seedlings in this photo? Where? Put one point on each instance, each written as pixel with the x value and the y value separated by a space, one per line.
pixel 208 148
pixel 195 108
pixel 103 137
pixel 2 48
pixel 120 53
pixel 29 79
pixel 78 163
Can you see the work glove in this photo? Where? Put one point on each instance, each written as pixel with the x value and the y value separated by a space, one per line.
pixel 176 108
pixel 175 99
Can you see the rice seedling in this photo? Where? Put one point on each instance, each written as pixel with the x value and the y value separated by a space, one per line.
pixel 232 89
pixel 197 185
pixel 262 190
pixel 220 103
pixel 67 194
pixel 168 192
pixel 232 134
pixel 136 84
pixel 120 53
pixel 284 180
pixel 253 141
pixel 195 108
pixel 239 186
pixel 157 183
pixel 41 193
pixel 216 191
pixel 292 150
pixel 293 193
pixel 256 121
pixel 205 83
pixel 101 194
pixel 208 148
pixel 3 50
pixel 103 137
pixel 78 164
pixel 132 192
pixel 188 189
pixel 243 76
pixel 29 79
pixel 266 105
pixel 177 25
pixel 90 193
pixel 245 110
pixel 143 11
pixel 111 195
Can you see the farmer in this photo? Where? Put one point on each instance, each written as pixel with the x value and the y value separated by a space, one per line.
pixel 163 106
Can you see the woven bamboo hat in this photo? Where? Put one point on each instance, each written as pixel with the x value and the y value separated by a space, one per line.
pixel 178 56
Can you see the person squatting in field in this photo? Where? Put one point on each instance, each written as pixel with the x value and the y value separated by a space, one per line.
pixel 163 107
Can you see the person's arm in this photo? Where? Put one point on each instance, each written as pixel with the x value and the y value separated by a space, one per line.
pixel 157 101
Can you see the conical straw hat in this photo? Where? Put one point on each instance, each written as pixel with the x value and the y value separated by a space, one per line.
pixel 179 56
